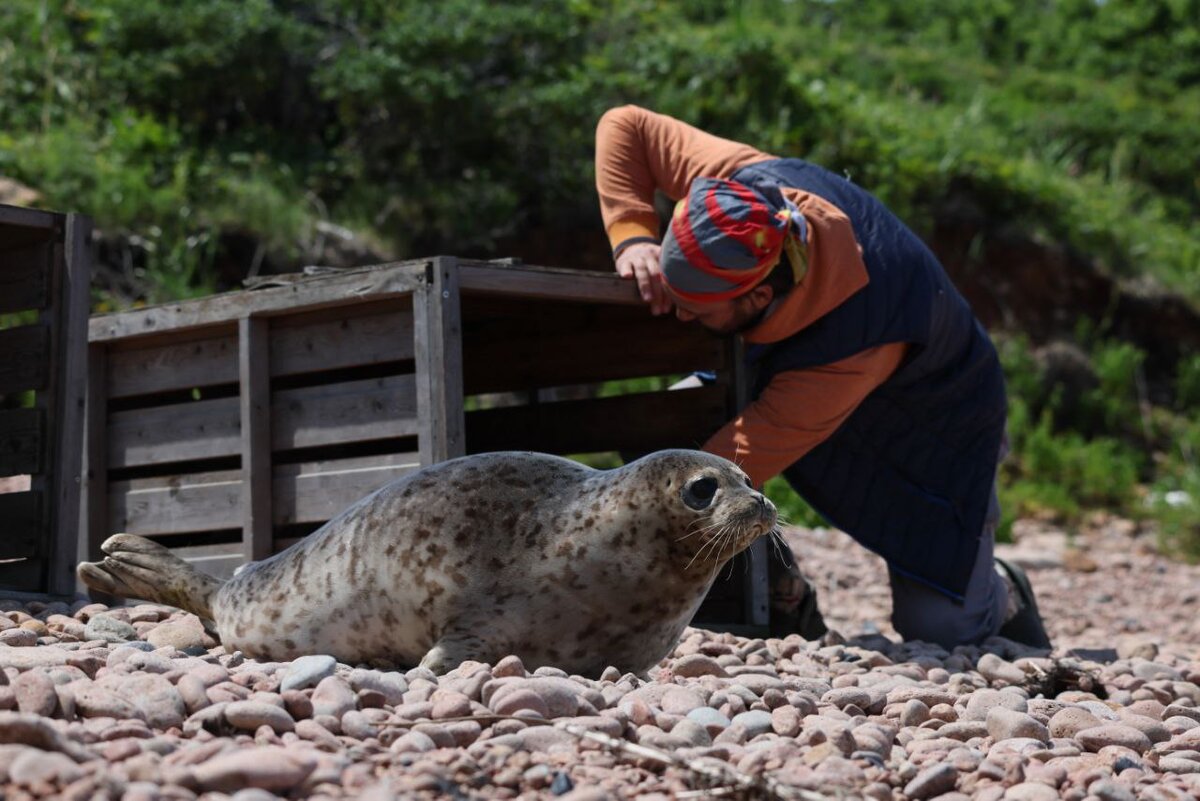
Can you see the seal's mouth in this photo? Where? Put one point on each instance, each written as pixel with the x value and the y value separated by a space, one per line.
pixel 721 541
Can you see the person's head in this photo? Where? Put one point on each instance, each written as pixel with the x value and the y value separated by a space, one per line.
pixel 723 254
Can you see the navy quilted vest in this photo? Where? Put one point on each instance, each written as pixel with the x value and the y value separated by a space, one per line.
pixel 909 474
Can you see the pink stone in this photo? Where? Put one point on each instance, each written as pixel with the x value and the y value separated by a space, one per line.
pixel 695 665
pixel 786 721
pixel 35 693
pixel 450 705
pixel 33 766
pixel 518 699
pixel 265 767
pixel 1097 737
pixel 333 696
pixel 680 701
pixel 94 701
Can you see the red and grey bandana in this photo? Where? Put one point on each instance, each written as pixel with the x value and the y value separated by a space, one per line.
pixel 725 237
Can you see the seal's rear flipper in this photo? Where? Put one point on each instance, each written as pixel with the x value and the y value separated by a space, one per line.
pixel 135 567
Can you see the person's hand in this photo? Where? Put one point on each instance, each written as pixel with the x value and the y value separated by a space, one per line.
pixel 642 262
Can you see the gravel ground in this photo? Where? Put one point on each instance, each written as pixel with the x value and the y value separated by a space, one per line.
pixel 139 703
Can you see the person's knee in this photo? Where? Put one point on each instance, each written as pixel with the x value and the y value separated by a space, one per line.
pixel 944 622
pixel 920 612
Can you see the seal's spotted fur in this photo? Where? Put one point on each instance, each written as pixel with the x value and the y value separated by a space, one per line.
pixel 479 557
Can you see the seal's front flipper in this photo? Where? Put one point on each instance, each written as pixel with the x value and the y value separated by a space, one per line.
pixel 454 649
pixel 135 567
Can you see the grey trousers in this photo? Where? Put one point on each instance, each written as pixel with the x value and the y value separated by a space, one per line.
pixel 920 612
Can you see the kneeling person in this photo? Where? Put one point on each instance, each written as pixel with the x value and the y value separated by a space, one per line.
pixel 876 392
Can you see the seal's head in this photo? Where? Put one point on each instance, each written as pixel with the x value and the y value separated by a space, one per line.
pixel 713 509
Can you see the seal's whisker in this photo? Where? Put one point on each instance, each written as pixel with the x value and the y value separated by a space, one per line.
pixel 781 546
pixel 697 531
pixel 708 545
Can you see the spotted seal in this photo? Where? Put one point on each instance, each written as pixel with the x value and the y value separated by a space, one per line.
pixel 476 558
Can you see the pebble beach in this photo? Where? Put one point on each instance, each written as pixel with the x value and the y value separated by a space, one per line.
pixel 141 703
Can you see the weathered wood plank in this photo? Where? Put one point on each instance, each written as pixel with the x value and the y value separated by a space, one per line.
pixel 24 532
pixel 184 431
pixel 299 345
pixel 186 364
pixel 22 436
pixel 24 278
pixel 342 289
pixel 70 394
pixel 303 344
pixel 23 576
pixel 24 358
pixel 547 283
pixel 303 493
pixel 176 504
pixel 27 218
pixel 311 492
pixel 96 452
pixel 579 345
pixel 351 411
pixel 640 423
pixel 307 417
pixel 215 560
pixel 756 590
pixel 255 405
pixel 437 334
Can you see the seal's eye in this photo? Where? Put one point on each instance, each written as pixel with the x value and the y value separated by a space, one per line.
pixel 699 494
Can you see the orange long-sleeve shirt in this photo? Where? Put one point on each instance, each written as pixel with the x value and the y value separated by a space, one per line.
pixel 639 151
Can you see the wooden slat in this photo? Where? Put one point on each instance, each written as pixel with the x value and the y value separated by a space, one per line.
pixel 24 576
pixel 22 433
pixel 176 433
pixel 70 394
pixel 303 493
pixel 298 346
pixel 756 593
pixel 437 336
pixel 341 289
pixel 581 345
pixel 176 504
pixel 255 405
pixel 313 492
pixel 24 278
pixel 215 560
pixel 547 283
pixel 24 358
pixel 640 423
pixel 350 411
pixel 24 536
pixel 179 365
pixel 96 518
pixel 27 218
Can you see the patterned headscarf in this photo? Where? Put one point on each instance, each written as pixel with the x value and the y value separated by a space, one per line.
pixel 725 237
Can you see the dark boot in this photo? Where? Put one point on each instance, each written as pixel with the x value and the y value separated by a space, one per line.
pixel 1026 625
pixel 794 607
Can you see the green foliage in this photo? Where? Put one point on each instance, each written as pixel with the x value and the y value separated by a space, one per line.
pixel 793 509
pixel 462 125
pixel 1061 469
pixel 1187 383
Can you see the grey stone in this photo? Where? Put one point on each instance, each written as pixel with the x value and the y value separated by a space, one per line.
pixel 307 671
pixel 932 781
pixel 109 629
pixel 755 722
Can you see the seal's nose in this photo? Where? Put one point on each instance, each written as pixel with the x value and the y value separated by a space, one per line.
pixel 766 509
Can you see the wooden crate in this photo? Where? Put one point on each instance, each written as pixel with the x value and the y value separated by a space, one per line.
pixel 44 294
pixel 228 427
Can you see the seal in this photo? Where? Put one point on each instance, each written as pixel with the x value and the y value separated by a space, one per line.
pixel 477 558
